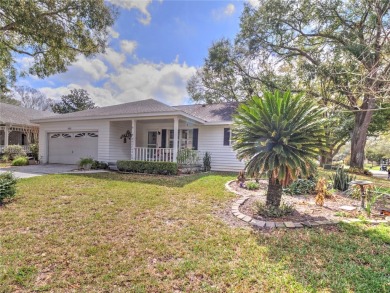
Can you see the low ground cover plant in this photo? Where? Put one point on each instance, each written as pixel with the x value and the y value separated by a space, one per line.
pixel 301 186
pixel 252 185
pixel 20 161
pixel 273 212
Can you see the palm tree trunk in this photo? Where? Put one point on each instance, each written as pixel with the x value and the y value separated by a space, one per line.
pixel 274 193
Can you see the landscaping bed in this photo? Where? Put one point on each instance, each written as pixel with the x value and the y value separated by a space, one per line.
pixel 304 207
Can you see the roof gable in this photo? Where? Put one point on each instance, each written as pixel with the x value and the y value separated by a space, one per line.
pixel 19 115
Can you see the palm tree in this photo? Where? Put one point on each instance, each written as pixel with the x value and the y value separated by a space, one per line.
pixel 281 135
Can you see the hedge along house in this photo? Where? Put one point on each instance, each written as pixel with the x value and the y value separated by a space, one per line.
pixel 146 130
pixel 16 127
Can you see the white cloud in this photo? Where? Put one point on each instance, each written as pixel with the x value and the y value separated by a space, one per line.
pixel 229 9
pixel 128 46
pixel 100 96
pixel 254 3
pixel 85 70
pixel 164 82
pixel 223 12
pixel 112 33
pixel 141 5
pixel 113 58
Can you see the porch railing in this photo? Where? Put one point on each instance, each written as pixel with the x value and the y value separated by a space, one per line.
pixel 154 154
pixel 25 147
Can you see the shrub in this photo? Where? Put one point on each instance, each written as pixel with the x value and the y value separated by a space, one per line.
pixel 273 212
pixel 7 186
pixel 164 168
pixel 85 162
pixel 301 186
pixel 34 149
pixel 187 157
pixel 252 185
pixel 99 165
pixel 13 151
pixel 20 161
pixel 207 162
pixel 341 179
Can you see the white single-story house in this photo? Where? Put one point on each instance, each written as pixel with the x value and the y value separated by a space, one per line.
pixel 16 127
pixel 146 130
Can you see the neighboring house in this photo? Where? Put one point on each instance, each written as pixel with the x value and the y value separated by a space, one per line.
pixel 16 126
pixel 146 130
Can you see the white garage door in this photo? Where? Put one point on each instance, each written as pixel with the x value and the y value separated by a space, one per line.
pixel 69 147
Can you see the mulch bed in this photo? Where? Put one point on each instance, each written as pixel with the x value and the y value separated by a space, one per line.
pixel 305 208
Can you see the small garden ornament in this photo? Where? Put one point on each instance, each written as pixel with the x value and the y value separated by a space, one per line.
pixel 241 179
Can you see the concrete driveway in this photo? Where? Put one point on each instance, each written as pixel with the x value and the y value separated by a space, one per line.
pixel 379 174
pixel 38 170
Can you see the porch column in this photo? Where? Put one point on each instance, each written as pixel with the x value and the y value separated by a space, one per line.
pixel 175 137
pixel 6 135
pixel 133 138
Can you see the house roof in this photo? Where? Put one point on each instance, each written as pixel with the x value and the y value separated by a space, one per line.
pixel 10 114
pixel 212 113
pixel 215 113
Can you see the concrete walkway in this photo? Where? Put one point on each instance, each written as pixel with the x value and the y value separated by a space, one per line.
pixel 38 170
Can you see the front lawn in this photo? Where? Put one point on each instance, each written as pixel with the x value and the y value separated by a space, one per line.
pixel 133 233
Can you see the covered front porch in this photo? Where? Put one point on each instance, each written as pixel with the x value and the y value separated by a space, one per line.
pixel 22 135
pixel 151 139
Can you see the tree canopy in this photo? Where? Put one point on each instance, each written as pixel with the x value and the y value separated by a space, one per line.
pixel 77 100
pixel 336 51
pixel 50 34
pixel 32 98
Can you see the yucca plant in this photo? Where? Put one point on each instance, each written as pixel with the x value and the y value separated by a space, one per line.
pixel 341 179
pixel 280 135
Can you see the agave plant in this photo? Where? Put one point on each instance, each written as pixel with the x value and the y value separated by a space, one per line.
pixel 281 135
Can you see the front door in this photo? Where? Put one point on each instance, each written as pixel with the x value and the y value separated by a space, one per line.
pixel 152 139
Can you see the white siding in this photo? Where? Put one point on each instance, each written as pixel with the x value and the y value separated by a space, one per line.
pixel 102 126
pixel 223 158
pixel 118 149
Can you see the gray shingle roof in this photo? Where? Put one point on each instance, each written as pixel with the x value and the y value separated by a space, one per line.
pixel 213 113
pixel 222 112
pixel 138 107
pixel 19 115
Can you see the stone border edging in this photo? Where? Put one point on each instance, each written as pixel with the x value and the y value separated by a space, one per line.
pixel 290 225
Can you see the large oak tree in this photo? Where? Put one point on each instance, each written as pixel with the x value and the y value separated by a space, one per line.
pixel 50 34
pixel 335 50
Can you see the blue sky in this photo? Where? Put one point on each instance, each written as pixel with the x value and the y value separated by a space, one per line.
pixel 154 48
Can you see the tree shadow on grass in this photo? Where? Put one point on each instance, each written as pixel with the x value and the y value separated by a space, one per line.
pixel 343 258
pixel 160 180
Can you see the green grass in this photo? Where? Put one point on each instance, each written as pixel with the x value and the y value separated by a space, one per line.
pixel 129 233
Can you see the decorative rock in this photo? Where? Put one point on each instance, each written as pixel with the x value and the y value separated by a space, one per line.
pixel 241 216
pixel 307 224
pixel 289 224
pixel 247 219
pixel 258 223
pixel 298 225
pixel 279 225
pixel 270 225
pixel 347 208
pixel 313 223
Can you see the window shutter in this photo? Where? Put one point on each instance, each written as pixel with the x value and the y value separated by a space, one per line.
pixel 163 138
pixel 195 133
pixel 226 136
